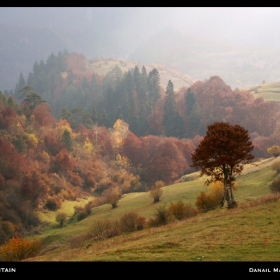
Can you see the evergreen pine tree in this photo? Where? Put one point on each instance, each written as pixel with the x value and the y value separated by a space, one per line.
pixel 153 88
pixel 195 123
pixel 67 140
pixel 65 113
pixel 19 86
pixel 31 97
pixel 169 111
pixel 103 120
pixel 172 120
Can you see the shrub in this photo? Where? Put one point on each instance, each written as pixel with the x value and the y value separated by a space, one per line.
pixel 88 207
pixel 81 215
pixel 17 249
pixel 182 211
pixel 156 191
pixel 53 204
pixel 276 166
pixel 9 228
pixel 127 221
pixel 159 184
pixel 131 221
pixel 80 212
pixel 98 201
pixel 274 150
pixel 140 222
pixel 61 218
pixel 105 229
pixel 113 198
pixel 78 240
pixel 206 202
pixel 217 188
pixel 105 184
pixel 160 218
pixel 275 185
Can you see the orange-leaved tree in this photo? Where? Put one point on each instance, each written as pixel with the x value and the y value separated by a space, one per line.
pixel 222 154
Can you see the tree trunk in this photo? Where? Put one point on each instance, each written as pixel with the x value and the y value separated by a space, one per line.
pixel 232 203
pixel 231 191
pixel 226 195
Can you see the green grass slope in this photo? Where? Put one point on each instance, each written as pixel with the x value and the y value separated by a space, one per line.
pixel 249 232
pixel 269 91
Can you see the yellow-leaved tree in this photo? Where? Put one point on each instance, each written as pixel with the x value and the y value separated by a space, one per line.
pixel 118 133
pixel 274 150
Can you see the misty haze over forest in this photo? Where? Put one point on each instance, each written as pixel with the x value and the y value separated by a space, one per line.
pixel 146 35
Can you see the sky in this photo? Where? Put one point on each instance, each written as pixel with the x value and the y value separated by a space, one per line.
pixel 254 26
pixel 119 32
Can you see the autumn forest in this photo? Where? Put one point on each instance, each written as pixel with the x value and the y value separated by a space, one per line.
pixel 66 132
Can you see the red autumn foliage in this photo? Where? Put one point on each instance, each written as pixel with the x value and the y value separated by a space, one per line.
pixel 210 95
pixel 52 146
pixel 33 186
pixel 12 164
pixel 148 148
pixel 101 138
pixel 222 154
pixel 132 148
pixel 263 116
pixel 167 164
pixel 83 133
pixel 7 116
pixel 43 115
pixel 62 163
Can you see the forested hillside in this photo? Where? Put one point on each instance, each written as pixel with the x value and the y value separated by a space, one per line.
pixel 77 91
pixel 73 132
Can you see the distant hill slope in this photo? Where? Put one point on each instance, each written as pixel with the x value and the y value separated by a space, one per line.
pixel 238 66
pixel 269 91
pixel 102 66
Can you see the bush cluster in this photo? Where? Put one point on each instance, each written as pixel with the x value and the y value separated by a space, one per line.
pixel 113 197
pixel 176 211
pixel 131 221
pixel 53 204
pixel 82 212
pixel 206 202
pixel 156 191
pixel 275 185
pixel 160 218
pixel 104 229
pixel 17 249
pixel 182 211
pixel 61 218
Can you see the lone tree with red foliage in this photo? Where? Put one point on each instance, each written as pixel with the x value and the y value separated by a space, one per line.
pixel 222 154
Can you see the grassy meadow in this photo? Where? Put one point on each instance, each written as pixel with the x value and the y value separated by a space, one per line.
pixel 249 232
pixel 269 91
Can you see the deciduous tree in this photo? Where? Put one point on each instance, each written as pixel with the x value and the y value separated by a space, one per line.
pixel 222 154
